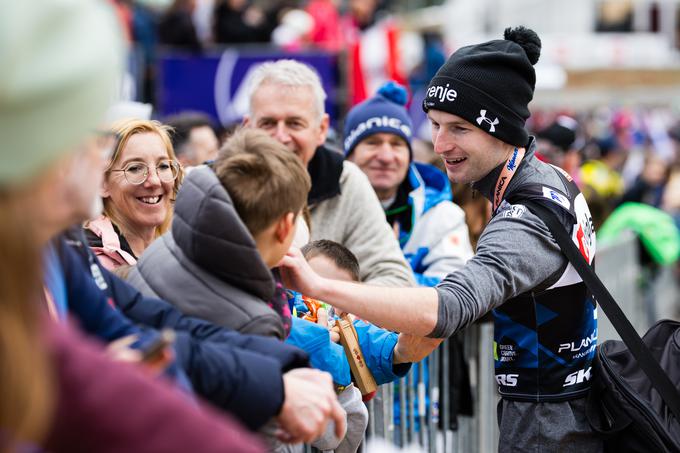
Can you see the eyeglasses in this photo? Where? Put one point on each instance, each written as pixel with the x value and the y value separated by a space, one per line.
pixel 138 172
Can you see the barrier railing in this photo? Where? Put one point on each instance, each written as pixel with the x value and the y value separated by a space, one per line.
pixel 643 297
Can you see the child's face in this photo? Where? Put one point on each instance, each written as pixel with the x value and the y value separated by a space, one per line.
pixel 328 269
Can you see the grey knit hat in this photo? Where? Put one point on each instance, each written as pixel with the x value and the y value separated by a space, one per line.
pixel 60 62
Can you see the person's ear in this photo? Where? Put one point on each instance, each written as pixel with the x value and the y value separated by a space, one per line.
pixel 323 129
pixel 284 226
pixel 104 189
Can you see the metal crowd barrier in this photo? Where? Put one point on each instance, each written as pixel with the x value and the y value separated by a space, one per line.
pixel 478 433
pixel 644 298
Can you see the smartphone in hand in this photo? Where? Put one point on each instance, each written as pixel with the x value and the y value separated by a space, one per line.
pixel 155 348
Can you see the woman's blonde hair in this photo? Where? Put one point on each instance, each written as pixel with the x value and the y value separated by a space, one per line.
pixel 26 386
pixel 124 130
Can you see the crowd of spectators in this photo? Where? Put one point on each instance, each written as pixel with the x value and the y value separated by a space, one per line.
pixel 373 41
pixel 619 157
pixel 196 24
pixel 619 154
pixel 199 244
pixel 146 225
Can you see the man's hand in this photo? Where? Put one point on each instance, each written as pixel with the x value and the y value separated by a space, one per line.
pixel 298 275
pixel 120 351
pixel 309 402
pixel 411 348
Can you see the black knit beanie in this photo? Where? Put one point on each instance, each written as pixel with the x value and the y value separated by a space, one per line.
pixel 490 84
pixel 559 135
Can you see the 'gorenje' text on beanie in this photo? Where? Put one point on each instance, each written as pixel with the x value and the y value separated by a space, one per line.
pixel 490 85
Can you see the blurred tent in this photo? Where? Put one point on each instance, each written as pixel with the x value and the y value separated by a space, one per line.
pixel 656 230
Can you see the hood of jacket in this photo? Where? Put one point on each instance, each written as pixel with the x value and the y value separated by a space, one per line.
pixel 430 186
pixel 208 230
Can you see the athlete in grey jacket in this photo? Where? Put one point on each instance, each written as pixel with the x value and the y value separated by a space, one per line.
pixel 545 319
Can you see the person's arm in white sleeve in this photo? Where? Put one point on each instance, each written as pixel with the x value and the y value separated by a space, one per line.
pixel 439 244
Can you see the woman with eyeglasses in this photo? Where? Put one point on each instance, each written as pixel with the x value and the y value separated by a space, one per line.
pixel 140 184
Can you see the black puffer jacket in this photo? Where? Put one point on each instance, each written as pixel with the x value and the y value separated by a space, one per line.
pixel 241 374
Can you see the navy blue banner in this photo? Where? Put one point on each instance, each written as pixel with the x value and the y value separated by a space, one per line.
pixel 216 83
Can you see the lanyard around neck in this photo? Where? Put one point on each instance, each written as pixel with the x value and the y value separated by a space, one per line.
pixel 506 175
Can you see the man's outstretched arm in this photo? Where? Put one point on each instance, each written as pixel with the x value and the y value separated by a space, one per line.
pixel 514 255
pixel 408 310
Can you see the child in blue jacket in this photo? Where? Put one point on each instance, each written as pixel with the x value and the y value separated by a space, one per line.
pixel 335 261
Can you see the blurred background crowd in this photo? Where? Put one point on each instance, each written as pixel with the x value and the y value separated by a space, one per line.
pixel 606 104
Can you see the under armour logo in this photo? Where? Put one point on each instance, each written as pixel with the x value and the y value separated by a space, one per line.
pixel 483 118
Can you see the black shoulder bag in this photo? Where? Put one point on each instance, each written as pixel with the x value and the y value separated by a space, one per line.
pixel 633 402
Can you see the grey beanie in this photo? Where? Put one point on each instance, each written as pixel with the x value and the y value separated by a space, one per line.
pixel 60 62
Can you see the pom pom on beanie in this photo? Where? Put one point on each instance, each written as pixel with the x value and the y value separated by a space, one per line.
pixel 394 92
